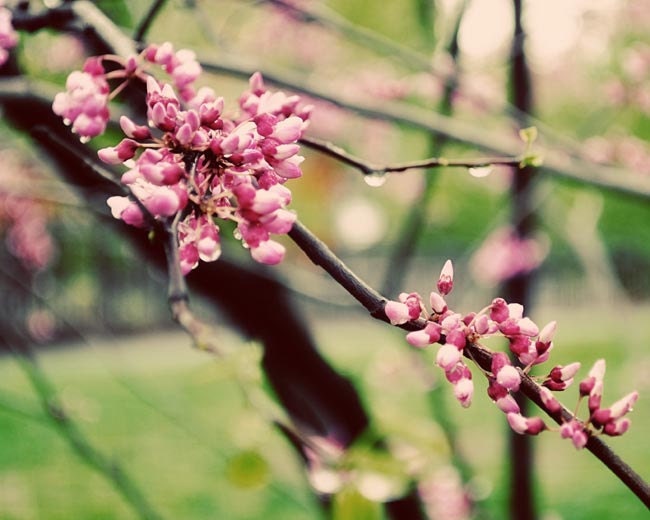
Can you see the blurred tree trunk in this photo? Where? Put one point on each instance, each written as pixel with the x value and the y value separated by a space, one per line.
pixel 518 289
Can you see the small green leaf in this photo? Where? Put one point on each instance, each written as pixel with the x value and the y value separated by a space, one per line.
pixel 349 504
pixel 531 160
pixel 247 469
pixel 528 135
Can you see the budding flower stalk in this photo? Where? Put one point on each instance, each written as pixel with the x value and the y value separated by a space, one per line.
pixel 529 345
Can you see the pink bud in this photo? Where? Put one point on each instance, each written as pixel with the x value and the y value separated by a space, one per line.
pixel 548 399
pixel 289 168
pixel 507 404
pixel 289 130
pixel 134 131
pixel 397 312
pixel 548 332
pixel 499 360
pixel 446 279
pixel 448 356
pixel 623 405
pixel 268 252
pixel 163 202
pixel 482 324
pixel 509 378
pixel 527 327
pixel 499 310
pixel 463 391
pixel 265 202
pixel 418 338
pixel 457 337
pixel 595 396
pixel 280 221
pixel 438 303
pixel 521 424
pixel 618 427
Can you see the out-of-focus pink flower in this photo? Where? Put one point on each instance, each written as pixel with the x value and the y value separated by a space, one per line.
pixel 8 36
pixel 504 254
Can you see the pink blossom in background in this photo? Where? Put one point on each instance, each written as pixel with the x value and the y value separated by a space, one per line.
pixel 23 219
pixel 504 255
pixel 444 495
pixel 8 36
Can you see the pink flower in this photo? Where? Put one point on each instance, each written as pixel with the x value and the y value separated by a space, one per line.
pixel 268 252
pixel 575 431
pixel 448 356
pixel 84 105
pixel 561 377
pixel 446 279
pixel 397 312
pixel 463 391
pixel 504 255
pixel 616 411
pixel 549 400
pixel 8 36
pixel 525 425
pixel 427 336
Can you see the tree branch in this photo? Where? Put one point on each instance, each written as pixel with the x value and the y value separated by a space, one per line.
pixel 368 168
pixel 374 302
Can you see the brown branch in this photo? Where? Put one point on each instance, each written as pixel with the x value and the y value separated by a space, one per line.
pixel 374 302
pixel 368 168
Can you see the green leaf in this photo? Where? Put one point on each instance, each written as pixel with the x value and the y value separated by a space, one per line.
pixel 531 160
pixel 528 135
pixel 247 469
pixel 349 504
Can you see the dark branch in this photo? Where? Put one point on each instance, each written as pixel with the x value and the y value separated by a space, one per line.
pixel 147 20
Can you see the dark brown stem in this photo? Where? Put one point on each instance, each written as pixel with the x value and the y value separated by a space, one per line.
pixel 368 168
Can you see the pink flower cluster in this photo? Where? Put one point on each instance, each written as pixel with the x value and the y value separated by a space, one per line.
pixel 527 343
pixel 192 161
pixel 8 36
pixel 84 105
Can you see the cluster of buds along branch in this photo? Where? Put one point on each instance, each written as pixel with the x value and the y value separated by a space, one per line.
pixel 528 344
pixel 191 162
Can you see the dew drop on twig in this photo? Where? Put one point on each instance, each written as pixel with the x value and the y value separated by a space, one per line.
pixel 481 171
pixel 375 180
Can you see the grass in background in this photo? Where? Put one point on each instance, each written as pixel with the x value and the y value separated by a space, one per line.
pixel 176 421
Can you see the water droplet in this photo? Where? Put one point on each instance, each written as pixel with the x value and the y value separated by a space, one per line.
pixel 481 171
pixel 375 180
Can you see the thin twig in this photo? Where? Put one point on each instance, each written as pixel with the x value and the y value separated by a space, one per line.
pixel 368 168
pixel 557 164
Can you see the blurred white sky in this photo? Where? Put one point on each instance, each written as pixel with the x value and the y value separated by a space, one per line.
pixel 553 26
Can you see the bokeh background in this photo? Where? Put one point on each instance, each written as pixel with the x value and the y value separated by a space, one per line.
pixel 176 418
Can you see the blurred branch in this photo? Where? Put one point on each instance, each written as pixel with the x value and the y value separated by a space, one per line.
pixel 556 163
pixel 322 15
pixel 368 168
pixel 521 468
pixel 148 19
pixel 108 468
